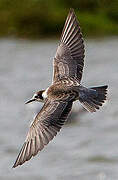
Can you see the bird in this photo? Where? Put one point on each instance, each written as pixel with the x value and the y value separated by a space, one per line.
pixel 59 97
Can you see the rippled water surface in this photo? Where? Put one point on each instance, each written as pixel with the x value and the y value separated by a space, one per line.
pixel 87 146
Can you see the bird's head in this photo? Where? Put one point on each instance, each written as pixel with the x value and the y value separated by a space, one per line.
pixel 37 97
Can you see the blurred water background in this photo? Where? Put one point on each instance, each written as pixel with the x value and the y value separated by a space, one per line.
pixel 87 146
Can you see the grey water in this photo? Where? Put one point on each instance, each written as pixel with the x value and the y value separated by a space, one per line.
pixel 87 146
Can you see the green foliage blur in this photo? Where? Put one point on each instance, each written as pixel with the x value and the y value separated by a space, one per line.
pixel 45 18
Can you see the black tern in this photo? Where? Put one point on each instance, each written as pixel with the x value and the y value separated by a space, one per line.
pixel 58 99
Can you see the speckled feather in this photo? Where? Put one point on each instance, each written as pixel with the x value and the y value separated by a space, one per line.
pixel 43 129
pixel 59 97
pixel 69 58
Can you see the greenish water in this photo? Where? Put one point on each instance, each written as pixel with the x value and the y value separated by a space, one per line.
pixel 87 146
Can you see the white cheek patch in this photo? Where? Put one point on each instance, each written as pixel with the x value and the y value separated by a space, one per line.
pixel 34 96
pixel 44 94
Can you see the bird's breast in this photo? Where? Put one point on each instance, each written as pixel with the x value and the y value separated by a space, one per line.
pixel 61 92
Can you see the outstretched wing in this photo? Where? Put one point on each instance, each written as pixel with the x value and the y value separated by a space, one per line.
pixel 43 129
pixel 69 58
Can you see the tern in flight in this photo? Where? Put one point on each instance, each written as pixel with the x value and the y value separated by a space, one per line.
pixel 66 88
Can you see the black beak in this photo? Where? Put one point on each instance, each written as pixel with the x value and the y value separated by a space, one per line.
pixel 31 100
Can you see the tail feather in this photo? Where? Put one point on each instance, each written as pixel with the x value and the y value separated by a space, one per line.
pixel 93 98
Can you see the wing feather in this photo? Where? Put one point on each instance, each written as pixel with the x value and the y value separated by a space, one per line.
pixel 43 129
pixel 70 52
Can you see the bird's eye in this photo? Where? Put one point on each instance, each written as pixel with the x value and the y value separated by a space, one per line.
pixel 36 96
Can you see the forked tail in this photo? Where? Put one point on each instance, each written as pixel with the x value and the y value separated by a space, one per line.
pixel 92 98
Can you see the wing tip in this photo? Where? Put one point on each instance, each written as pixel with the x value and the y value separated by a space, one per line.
pixel 71 10
pixel 14 166
pixel 71 13
pixel 19 157
pixel 18 163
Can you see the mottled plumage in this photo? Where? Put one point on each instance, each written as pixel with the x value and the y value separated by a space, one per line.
pixel 69 58
pixel 65 89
